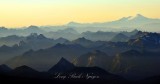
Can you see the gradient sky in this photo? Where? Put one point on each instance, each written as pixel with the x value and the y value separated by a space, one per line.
pixel 18 13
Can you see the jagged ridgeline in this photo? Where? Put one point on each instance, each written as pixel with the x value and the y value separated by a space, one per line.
pixel 43 52
pixel 65 72
pixel 62 72
pixel 131 58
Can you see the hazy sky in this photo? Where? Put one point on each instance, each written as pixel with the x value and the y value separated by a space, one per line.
pixel 17 13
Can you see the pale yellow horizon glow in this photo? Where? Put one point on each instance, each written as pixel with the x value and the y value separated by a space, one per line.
pixel 19 13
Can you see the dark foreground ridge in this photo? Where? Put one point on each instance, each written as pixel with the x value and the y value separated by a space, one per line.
pixel 65 72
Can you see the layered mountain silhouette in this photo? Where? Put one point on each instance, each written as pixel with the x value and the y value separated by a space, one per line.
pixel 23 44
pixel 73 74
pixel 47 57
pixel 71 30
pixel 129 22
pixel 108 52
pixel 38 50
pixel 130 54
pixel 89 74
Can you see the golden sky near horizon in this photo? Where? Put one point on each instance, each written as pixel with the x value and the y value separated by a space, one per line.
pixel 18 13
